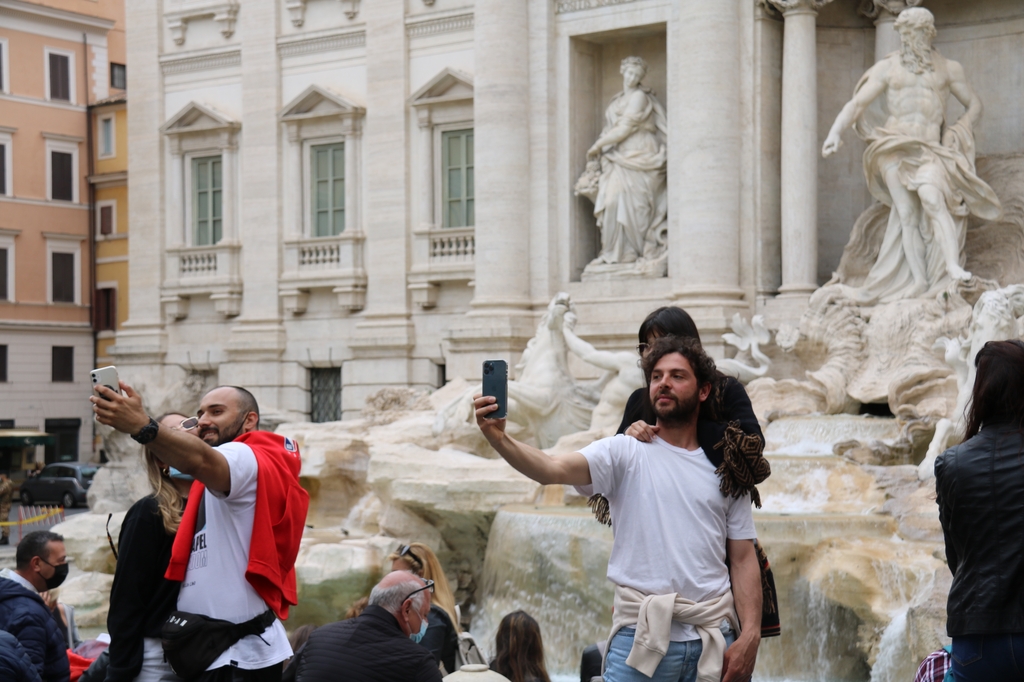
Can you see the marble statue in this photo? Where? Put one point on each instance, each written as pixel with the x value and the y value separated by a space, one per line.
pixel 916 164
pixel 622 376
pixel 747 336
pixel 545 400
pixel 625 178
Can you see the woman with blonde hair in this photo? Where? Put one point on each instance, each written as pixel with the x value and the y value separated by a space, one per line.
pixel 141 598
pixel 442 636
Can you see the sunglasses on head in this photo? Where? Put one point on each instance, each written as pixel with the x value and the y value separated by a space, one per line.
pixel 429 586
pixel 406 550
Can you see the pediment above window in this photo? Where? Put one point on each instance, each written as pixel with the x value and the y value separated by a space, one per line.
pixel 450 85
pixel 198 118
pixel 319 102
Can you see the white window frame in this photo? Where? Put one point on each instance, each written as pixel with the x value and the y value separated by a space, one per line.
pixel 7 242
pixel 439 129
pixel 112 203
pixel 5 74
pixel 72 72
pixel 7 140
pixel 63 243
pixel 65 147
pixel 306 172
pixel 188 222
pixel 113 136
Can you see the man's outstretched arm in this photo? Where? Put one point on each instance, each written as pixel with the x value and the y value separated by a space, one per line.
pixel 178 449
pixel 570 469
pixel 745 575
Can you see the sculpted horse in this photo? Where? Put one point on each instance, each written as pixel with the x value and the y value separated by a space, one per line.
pixel 545 401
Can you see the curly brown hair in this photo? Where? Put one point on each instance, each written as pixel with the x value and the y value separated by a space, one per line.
pixel 703 366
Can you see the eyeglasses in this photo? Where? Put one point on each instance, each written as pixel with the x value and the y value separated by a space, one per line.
pixel 189 424
pixel 642 348
pixel 406 550
pixel 429 586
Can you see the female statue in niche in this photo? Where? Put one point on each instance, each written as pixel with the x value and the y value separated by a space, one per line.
pixel 625 178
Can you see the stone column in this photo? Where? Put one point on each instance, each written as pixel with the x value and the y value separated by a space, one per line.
pixel 142 340
pixel 501 115
pixel 799 147
pixel 252 209
pixel 884 13
pixel 426 168
pixel 500 322
pixel 704 160
pixel 293 198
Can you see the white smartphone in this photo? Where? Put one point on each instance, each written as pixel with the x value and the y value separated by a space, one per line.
pixel 106 376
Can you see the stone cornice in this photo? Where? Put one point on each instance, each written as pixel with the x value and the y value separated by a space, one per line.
pixel 796 6
pixel 178 16
pixel 57 17
pixel 563 6
pixel 217 59
pixel 873 8
pixel 435 25
pixel 292 46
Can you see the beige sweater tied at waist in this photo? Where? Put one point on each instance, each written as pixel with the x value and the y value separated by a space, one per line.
pixel 652 614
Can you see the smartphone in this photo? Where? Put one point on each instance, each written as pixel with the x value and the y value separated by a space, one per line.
pixel 496 384
pixel 106 376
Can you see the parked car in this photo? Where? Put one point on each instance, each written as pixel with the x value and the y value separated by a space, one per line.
pixel 64 483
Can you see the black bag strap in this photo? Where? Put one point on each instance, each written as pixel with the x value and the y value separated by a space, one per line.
pixel 255 626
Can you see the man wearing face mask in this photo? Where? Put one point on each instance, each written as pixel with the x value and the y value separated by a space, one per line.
pixel 381 643
pixel 41 565
pixel 234 551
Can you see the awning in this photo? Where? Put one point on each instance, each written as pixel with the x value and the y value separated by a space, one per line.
pixel 21 438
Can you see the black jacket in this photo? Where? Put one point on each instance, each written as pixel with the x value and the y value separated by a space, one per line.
pixel 441 639
pixel 140 597
pixel 24 615
pixel 727 405
pixel 368 648
pixel 979 487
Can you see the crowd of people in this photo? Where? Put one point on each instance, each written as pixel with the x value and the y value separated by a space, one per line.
pixel 205 564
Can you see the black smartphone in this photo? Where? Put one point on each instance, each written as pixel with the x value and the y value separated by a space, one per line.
pixel 496 384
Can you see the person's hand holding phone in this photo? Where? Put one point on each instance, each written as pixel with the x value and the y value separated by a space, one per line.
pixel 492 428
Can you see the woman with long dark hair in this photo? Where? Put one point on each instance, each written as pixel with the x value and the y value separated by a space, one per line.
pixel 979 487
pixel 519 649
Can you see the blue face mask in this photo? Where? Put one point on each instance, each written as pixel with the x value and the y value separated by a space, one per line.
pixel 174 473
pixel 417 636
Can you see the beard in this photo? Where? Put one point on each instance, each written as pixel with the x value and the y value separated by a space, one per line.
pixel 916 52
pixel 212 435
pixel 681 412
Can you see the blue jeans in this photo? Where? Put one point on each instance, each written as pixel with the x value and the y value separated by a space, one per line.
pixel 678 665
pixel 985 658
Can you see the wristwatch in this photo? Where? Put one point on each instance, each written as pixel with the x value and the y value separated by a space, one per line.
pixel 147 433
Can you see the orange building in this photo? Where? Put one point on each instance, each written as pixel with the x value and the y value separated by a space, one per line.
pixel 57 59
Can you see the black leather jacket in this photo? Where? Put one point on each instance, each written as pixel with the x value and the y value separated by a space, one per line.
pixel 979 487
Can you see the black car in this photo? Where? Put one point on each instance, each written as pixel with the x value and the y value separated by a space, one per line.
pixel 64 483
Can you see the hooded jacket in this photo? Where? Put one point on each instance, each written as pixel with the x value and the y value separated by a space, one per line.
pixel 24 615
pixel 280 516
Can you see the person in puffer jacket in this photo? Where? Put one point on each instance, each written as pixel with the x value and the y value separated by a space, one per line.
pixel 41 564
pixel 15 665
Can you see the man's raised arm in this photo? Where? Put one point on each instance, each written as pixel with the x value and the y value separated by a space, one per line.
pixel 184 452
pixel 874 85
pixel 570 469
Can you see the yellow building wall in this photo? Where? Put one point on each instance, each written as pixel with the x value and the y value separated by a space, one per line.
pixel 119 162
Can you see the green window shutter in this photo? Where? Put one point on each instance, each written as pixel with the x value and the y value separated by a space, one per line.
pixel 207 207
pixel 327 197
pixel 457 178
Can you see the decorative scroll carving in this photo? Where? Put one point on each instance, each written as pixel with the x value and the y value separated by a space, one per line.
pixel 872 8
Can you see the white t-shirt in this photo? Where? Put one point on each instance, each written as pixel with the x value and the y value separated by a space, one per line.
pixel 670 520
pixel 215 583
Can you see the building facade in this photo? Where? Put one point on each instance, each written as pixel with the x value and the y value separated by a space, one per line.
pixel 330 198
pixel 56 61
